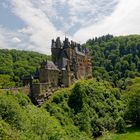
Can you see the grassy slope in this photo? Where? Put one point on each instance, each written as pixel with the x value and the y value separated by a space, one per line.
pixel 132 133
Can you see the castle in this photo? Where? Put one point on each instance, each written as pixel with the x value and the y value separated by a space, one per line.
pixel 70 62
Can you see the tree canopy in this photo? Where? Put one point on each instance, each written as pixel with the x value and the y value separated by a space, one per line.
pixel 16 64
pixel 115 59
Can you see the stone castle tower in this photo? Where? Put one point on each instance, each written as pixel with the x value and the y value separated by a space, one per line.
pixel 70 62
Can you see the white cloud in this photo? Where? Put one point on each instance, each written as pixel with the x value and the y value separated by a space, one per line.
pixel 39 29
pixel 123 21
pixel 70 15
pixel 39 16
pixel 6 39
pixel 13 40
pixel 16 40
pixel 90 11
pixel 47 19
pixel 3 39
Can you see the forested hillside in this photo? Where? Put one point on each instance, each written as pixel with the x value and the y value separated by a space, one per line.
pixel 87 109
pixel 80 112
pixel 16 64
pixel 115 59
pixel 91 106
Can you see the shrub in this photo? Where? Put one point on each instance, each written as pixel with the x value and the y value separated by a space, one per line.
pixel 120 125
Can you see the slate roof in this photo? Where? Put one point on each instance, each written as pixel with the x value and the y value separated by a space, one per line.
pixel 50 65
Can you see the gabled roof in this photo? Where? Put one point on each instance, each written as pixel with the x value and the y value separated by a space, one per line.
pixel 50 65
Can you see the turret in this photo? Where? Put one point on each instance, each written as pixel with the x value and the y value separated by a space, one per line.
pixel 58 43
pixel 53 44
pixel 56 48
pixel 66 43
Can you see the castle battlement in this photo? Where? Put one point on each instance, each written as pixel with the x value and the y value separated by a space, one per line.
pixel 58 44
pixel 70 62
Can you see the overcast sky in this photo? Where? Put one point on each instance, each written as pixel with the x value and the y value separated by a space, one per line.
pixel 31 24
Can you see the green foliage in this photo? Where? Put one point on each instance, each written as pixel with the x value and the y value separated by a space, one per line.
pixel 120 125
pixel 115 58
pixel 6 81
pixel 20 120
pixel 87 109
pixel 133 102
pixel 90 106
pixel 6 132
pixel 134 108
pixel 11 112
pixel 16 64
pixel 76 98
pixel 132 133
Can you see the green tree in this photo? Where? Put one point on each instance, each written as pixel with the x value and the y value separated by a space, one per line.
pixel 120 125
pixel 134 108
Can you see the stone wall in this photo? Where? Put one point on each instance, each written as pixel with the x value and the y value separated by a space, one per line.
pixel 49 76
pixel 39 90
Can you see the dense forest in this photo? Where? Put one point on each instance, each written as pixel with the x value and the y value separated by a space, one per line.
pixel 115 59
pixel 110 102
pixel 16 64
